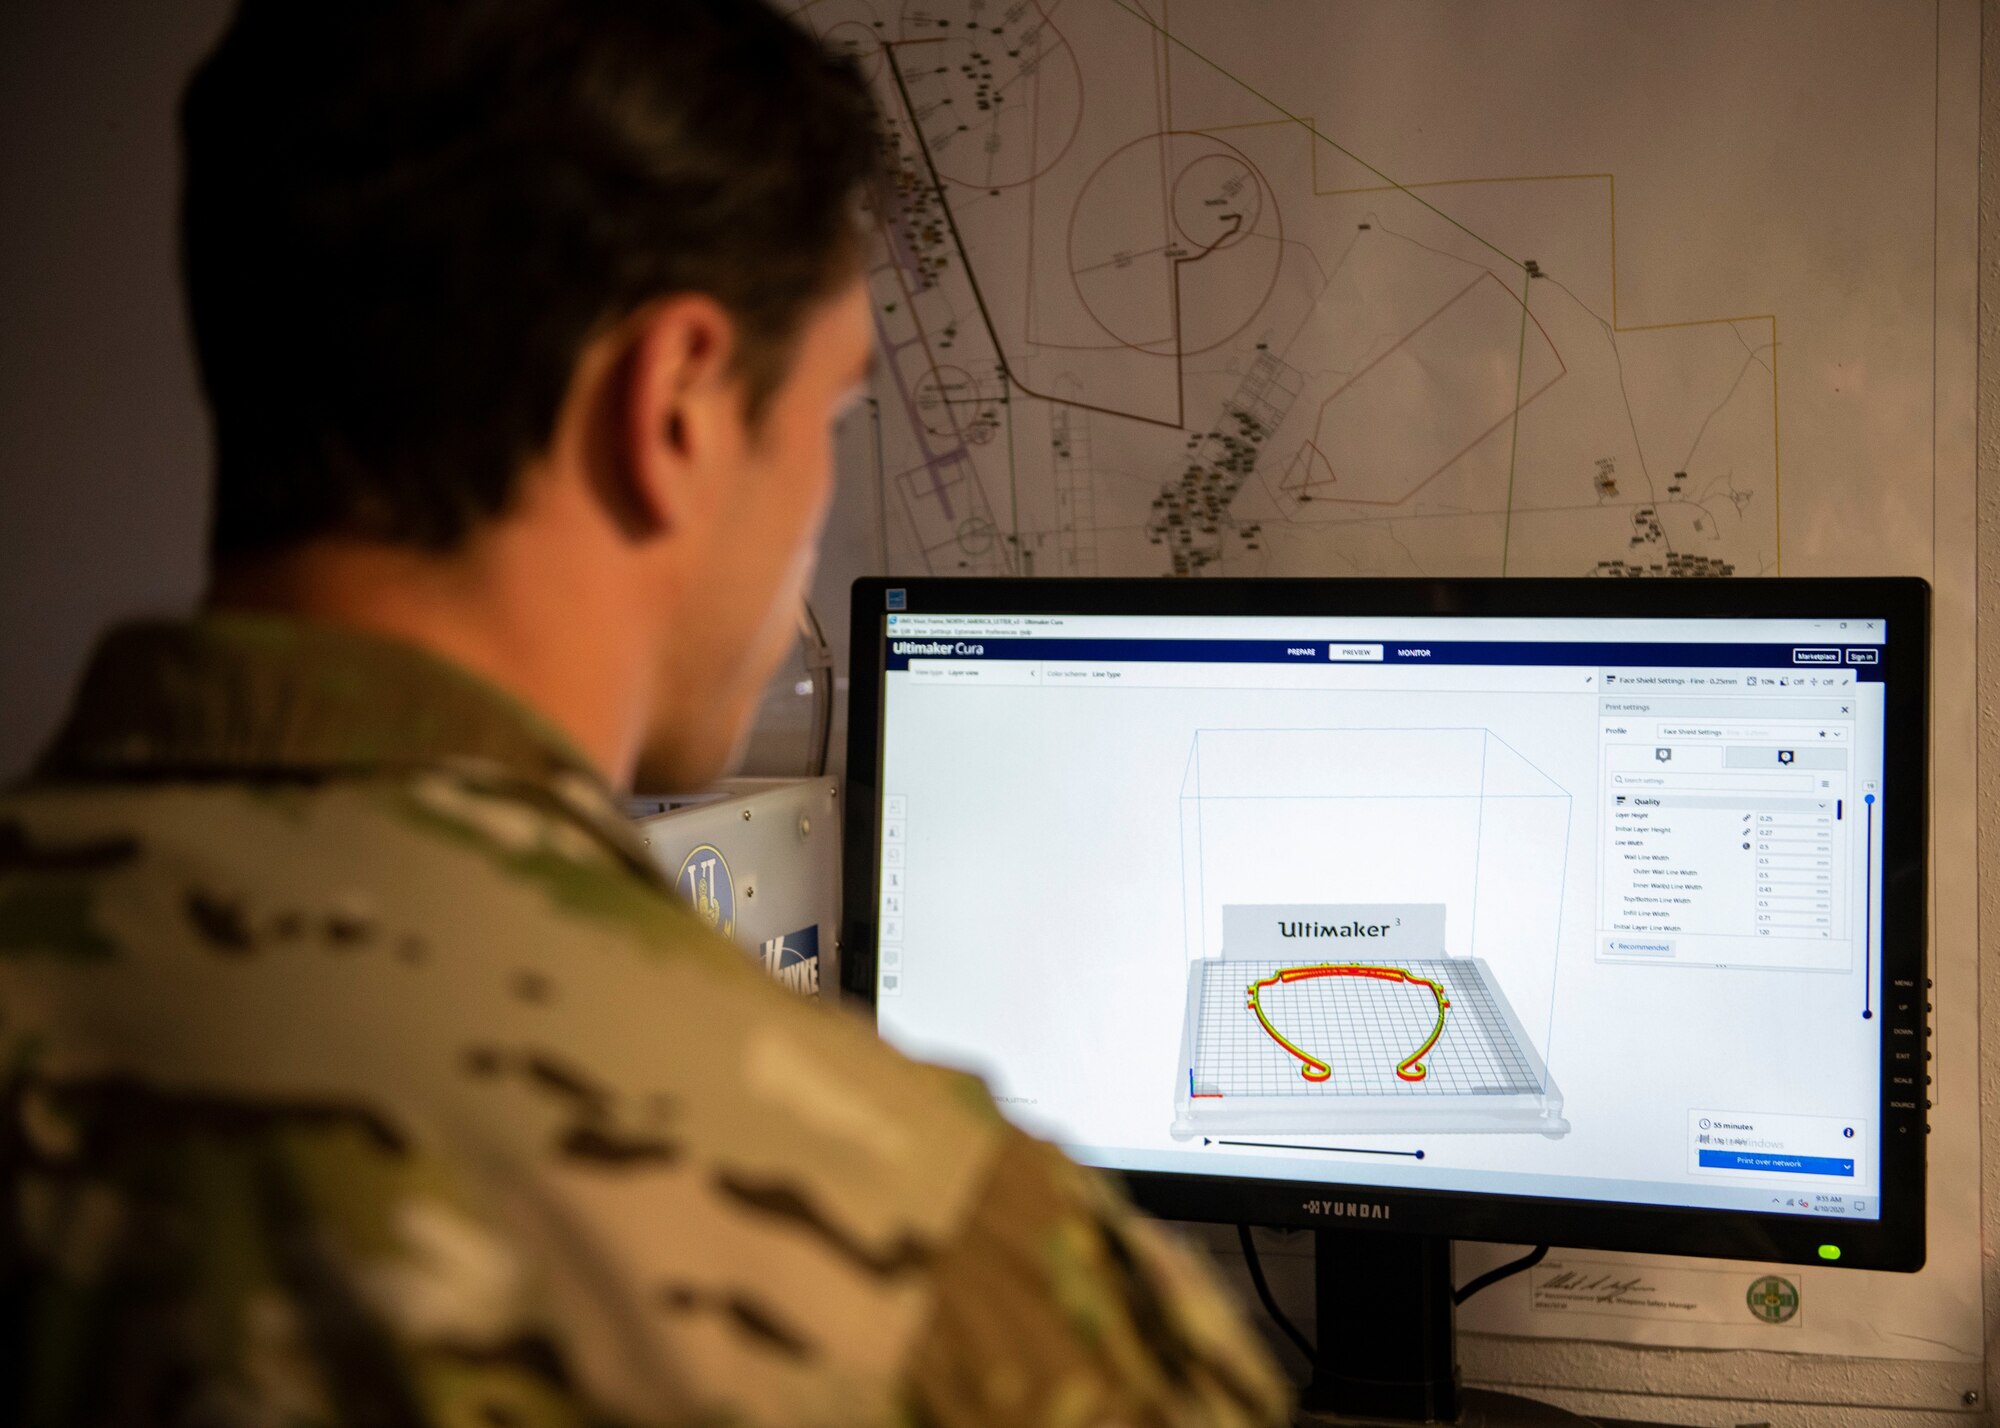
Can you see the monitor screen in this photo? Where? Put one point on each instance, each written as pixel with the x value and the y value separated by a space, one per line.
pixel 1564 899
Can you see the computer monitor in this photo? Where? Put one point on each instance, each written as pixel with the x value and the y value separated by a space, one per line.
pixel 1579 912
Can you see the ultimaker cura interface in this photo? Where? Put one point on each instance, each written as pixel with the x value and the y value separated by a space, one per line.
pixel 1552 906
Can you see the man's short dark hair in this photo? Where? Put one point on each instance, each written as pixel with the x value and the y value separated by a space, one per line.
pixel 404 219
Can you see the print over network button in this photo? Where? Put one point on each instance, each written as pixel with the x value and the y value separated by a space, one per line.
pixel 1782 1164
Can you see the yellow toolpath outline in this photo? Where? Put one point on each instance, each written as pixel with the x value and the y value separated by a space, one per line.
pixel 1410 1068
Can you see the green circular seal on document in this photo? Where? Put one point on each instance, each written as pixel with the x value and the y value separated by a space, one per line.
pixel 1773 1299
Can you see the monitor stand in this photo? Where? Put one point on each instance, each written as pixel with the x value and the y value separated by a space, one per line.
pixel 1386 1342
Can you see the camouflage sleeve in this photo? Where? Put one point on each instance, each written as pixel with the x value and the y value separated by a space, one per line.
pixel 316 1116
pixel 189 1259
pixel 1058 1305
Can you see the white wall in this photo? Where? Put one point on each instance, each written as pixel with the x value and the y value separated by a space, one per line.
pixel 102 503
pixel 1989 676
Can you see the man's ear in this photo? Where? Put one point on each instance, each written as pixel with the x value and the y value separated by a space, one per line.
pixel 680 400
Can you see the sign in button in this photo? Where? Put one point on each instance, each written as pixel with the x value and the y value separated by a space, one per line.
pixel 1781 1164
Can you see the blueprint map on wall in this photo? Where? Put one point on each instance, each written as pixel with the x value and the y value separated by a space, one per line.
pixel 1199 290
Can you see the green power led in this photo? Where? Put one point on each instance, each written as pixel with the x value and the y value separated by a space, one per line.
pixel 1829 1251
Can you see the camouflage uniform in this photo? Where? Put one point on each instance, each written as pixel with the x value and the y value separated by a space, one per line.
pixel 359 1067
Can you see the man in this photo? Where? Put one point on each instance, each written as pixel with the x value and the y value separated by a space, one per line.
pixel 359 1068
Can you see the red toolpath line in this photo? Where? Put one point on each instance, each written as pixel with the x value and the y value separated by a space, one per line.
pixel 1410 1068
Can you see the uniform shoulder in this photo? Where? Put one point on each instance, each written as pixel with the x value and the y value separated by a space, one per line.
pixel 795 1205
pixel 439 909
pixel 1059 1303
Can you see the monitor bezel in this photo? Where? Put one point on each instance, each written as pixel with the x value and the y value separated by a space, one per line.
pixel 1895 1241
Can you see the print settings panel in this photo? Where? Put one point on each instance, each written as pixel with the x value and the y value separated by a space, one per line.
pixel 1729 819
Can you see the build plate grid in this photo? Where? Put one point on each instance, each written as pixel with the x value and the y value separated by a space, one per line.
pixel 1361 1027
